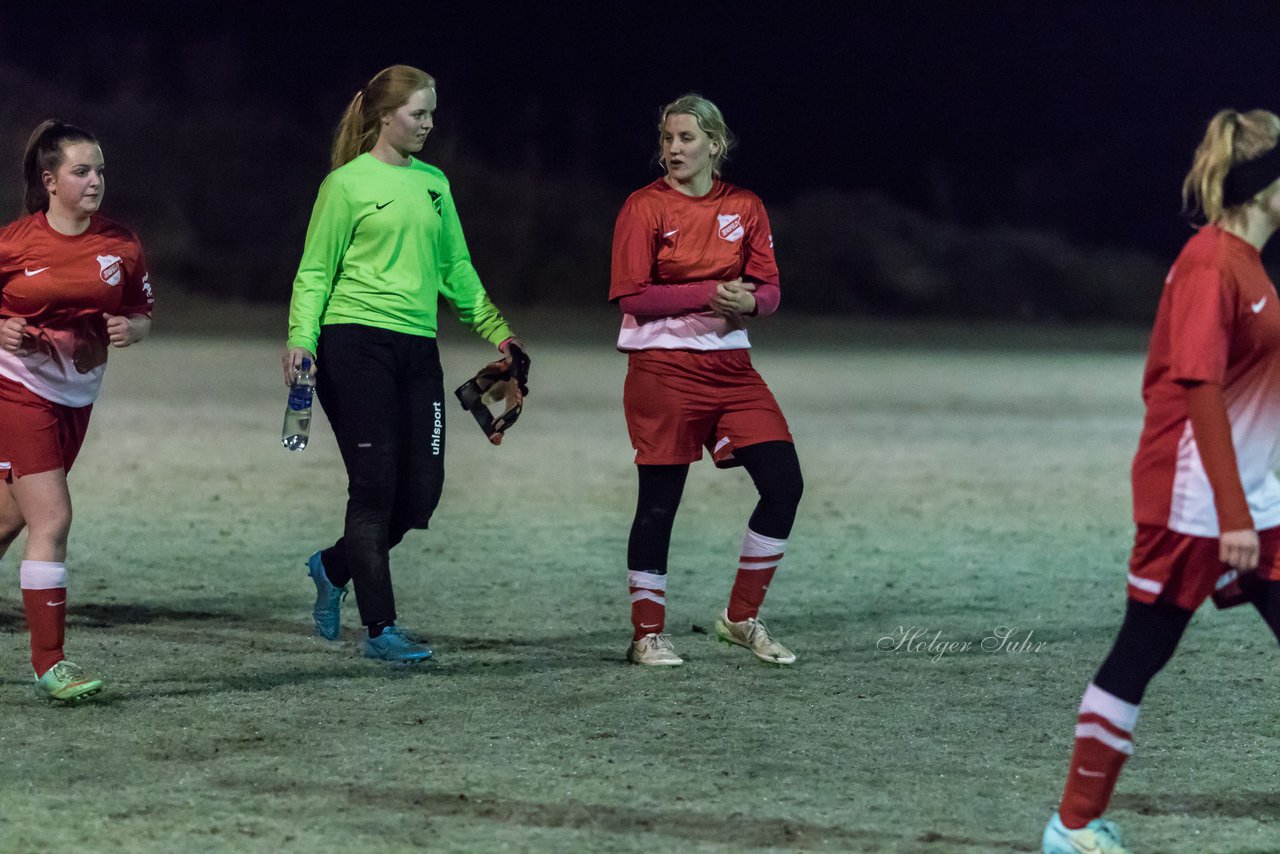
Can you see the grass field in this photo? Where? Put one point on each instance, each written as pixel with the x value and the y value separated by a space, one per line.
pixel 950 490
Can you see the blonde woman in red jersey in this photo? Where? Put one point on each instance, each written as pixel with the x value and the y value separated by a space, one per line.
pixel 1206 497
pixel 71 283
pixel 692 261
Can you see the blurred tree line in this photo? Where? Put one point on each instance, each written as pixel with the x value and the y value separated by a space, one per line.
pixel 220 184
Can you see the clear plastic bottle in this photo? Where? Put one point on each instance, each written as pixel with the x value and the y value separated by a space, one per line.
pixel 297 416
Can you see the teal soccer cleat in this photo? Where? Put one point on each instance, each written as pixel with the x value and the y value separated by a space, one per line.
pixel 328 608
pixel 392 645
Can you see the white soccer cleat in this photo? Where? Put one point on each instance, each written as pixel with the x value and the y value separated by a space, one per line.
pixel 654 649
pixel 752 634
pixel 1097 837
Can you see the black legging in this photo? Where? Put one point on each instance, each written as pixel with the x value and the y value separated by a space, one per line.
pixel 1150 634
pixel 775 470
pixel 383 393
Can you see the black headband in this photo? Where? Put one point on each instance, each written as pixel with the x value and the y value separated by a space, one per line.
pixel 1246 180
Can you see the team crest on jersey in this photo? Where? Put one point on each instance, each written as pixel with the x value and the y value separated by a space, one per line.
pixel 109 269
pixel 730 227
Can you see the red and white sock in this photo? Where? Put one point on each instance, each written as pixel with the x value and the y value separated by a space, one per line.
pixel 1104 740
pixel 648 602
pixel 44 599
pixel 760 558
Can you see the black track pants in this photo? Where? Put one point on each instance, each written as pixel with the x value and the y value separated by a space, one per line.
pixel 383 393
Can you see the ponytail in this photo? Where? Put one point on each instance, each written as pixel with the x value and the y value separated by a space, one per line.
pixel 1232 138
pixel 354 136
pixel 389 90
pixel 44 154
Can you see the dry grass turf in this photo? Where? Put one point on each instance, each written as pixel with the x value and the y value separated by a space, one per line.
pixel 950 490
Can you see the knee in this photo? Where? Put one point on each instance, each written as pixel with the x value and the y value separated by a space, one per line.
pixel 786 488
pixel 52 528
pixel 418 503
pixel 655 516
pixel 372 493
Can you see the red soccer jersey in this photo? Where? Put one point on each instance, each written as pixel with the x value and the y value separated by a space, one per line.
pixel 663 237
pixel 1218 321
pixel 62 285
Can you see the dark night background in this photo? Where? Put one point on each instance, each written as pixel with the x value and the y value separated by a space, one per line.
pixel 982 159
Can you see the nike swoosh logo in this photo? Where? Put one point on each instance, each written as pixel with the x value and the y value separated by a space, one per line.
pixel 56 604
pixel 383 205
pixel 42 269
pixel 1257 306
pixel 1086 772
pixel 671 232
pixel 647 626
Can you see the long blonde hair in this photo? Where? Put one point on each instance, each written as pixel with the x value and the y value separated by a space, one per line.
pixel 710 121
pixel 1232 138
pixel 388 91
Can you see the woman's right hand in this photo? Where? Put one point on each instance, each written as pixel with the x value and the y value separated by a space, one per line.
pixel 292 362
pixel 734 298
pixel 1239 549
pixel 14 336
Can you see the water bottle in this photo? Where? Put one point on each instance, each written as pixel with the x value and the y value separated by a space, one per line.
pixel 297 416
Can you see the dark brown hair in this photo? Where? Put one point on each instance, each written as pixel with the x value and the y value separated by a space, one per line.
pixel 44 154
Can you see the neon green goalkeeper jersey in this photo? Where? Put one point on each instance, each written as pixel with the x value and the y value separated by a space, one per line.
pixel 384 244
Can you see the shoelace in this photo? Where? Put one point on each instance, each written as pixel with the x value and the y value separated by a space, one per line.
pixel 661 642
pixel 65 670
pixel 758 628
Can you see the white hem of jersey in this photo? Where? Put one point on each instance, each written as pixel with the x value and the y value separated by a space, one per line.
pixel 700 331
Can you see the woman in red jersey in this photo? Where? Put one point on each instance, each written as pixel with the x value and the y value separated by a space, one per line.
pixel 71 283
pixel 1206 498
pixel 692 261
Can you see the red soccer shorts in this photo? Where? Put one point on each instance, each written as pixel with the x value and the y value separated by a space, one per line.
pixel 1183 570
pixel 37 435
pixel 679 401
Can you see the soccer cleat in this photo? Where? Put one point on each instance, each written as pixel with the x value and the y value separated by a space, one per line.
pixel 393 645
pixel 654 649
pixel 1097 837
pixel 328 608
pixel 752 634
pixel 65 682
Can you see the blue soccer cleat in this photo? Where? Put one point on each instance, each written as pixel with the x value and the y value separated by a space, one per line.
pixel 328 609
pixel 392 645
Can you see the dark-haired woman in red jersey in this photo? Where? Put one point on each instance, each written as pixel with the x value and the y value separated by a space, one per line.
pixel 72 283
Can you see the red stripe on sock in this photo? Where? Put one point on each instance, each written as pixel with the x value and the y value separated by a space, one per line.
pixel 760 558
pixel 1095 718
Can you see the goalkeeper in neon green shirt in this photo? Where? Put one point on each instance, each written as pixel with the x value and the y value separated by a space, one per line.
pixel 384 245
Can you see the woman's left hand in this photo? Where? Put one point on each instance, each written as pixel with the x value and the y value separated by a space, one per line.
pixel 734 298
pixel 124 330
pixel 514 351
